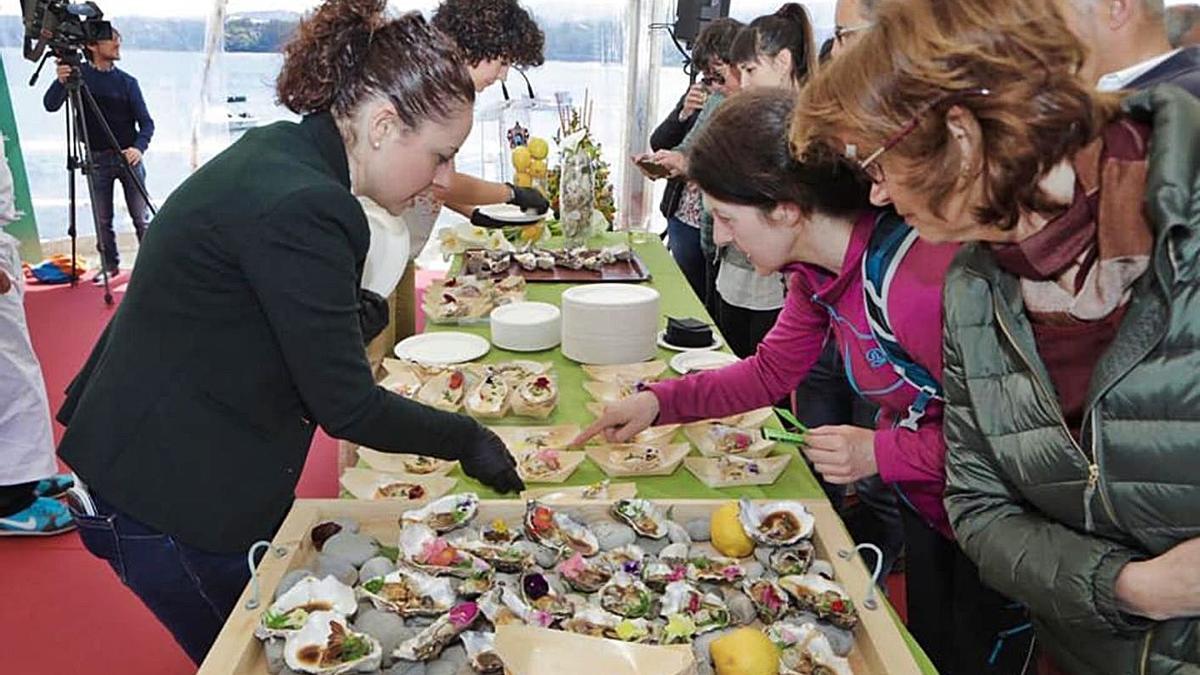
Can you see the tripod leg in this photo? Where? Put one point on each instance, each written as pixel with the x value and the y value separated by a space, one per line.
pixel 71 164
pixel 74 94
pixel 94 110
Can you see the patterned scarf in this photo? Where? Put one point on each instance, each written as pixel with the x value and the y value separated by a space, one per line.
pixel 1081 264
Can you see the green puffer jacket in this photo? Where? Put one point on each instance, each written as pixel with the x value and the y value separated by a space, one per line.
pixel 1049 521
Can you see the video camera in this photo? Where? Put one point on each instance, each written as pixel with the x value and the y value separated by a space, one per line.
pixel 62 27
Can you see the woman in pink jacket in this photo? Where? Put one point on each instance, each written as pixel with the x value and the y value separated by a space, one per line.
pixel 814 223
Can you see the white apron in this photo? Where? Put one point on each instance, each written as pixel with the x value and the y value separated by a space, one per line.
pixel 26 440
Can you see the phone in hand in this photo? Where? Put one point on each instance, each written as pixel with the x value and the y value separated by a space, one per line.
pixel 651 168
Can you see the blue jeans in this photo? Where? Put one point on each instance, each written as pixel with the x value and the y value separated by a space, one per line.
pixel 109 169
pixel 684 242
pixel 191 592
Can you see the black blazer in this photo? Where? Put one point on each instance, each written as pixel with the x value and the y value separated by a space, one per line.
pixel 239 334
pixel 1181 70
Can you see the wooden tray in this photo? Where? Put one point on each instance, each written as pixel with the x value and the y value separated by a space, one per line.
pixel 879 647
pixel 634 270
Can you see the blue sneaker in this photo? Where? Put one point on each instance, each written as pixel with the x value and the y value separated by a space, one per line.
pixel 43 518
pixel 55 486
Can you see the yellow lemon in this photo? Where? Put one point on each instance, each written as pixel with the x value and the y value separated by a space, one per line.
pixel 521 158
pixel 538 168
pixel 523 180
pixel 531 233
pixel 539 148
pixel 745 651
pixel 728 536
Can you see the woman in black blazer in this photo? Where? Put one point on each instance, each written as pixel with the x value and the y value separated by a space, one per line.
pixel 240 333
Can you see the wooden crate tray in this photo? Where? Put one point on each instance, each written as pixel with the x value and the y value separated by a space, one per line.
pixel 632 270
pixel 878 646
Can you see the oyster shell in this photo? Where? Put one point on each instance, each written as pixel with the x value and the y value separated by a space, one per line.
pixel 326 645
pixel 481 652
pixel 422 548
pixel 661 572
pixel 443 515
pixel 540 595
pixel 409 592
pixel 308 596
pixel 583 574
pixel 558 531
pixel 642 515
pixel 498 532
pixel 824 598
pixel 792 560
pixel 705 611
pixel 429 643
pixel 596 622
pixel 628 559
pixel 502 558
pixel 770 600
pixel 805 650
pixel 489 399
pixel 476 585
pixel 717 570
pixel 627 596
pixel 503 606
pixel 776 523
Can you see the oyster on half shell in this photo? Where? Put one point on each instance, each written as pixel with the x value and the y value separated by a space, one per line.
pixel 642 515
pixel 325 645
pixel 310 595
pixel 776 523
pixel 558 531
pixel 409 592
pixel 443 515
pixel 627 596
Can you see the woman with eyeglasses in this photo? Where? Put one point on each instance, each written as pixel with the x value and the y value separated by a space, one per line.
pixel 857 276
pixel 1072 320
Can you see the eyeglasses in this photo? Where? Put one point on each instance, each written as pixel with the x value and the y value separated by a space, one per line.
pixel 710 80
pixel 528 86
pixel 840 33
pixel 871 166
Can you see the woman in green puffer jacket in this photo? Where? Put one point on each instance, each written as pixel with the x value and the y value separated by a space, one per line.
pixel 1072 325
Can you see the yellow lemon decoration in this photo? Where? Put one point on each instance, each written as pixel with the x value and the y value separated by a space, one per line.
pixel 745 651
pixel 532 233
pixel 521 158
pixel 728 536
pixel 538 168
pixel 523 179
pixel 539 148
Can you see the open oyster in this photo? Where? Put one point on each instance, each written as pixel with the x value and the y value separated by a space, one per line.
pixel 421 547
pixel 537 591
pixel 626 596
pixel 715 570
pixel 662 571
pixel 585 575
pixel 445 391
pixel 429 643
pixel 498 532
pixel 409 592
pixel 642 515
pixel 776 523
pixel 536 396
pixel 770 601
pixel 504 606
pixel 326 645
pixel 805 650
pixel 310 595
pixel 596 622
pixel 792 560
pixel 704 611
pixel 825 598
pixel 557 530
pixel 481 652
pixel 443 515
pixel 502 558
pixel 476 585
pixel 489 399
pixel 628 559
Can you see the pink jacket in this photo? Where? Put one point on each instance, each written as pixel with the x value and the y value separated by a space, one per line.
pixel 816 302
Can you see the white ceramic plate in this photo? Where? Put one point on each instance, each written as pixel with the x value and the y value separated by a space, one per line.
pixel 442 348
pixel 610 295
pixel 509 213
pixel 690 362
pixel 662 342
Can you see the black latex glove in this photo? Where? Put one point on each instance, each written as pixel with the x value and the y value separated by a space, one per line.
pixel 479 219
pixel 529 199
pixel 373 314
pixel 486 459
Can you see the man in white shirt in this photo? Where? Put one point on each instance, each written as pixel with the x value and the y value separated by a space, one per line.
pixel 1128 46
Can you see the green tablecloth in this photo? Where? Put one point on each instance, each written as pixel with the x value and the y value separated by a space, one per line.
pixel 678 300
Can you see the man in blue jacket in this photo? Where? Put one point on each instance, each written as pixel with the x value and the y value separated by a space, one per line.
pixel 121 104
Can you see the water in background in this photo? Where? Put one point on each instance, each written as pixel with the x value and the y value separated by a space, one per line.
pixel 170 82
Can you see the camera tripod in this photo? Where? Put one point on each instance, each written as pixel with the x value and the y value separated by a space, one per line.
pixel 80 156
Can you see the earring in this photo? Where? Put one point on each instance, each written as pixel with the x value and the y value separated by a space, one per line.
pixel 376 145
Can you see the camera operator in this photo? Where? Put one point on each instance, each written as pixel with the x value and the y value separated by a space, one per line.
pixel 120 102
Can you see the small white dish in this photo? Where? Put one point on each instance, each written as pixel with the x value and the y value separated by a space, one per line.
pixel 662 342
pixel 690 362
pixel 442 348
pixel 509 213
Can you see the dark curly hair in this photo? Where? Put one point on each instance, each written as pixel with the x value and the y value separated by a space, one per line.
pixel 492 29
pixel 715 42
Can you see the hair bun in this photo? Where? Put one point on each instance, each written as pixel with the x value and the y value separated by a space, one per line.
pixel 792 11
pixel 327 49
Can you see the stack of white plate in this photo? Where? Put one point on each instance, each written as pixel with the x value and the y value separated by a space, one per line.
pixel 526 326
pixel 605 324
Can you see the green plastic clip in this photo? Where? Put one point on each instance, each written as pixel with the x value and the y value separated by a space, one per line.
pixel 796 437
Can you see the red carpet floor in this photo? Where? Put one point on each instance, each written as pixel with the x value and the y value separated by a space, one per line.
pixel 65 611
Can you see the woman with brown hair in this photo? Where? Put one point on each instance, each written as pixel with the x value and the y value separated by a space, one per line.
pixel 239 334
pixel 1072 373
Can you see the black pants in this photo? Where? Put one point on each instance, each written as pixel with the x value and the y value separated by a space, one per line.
pixel 955 618
pixel 16 498
pixel 744 328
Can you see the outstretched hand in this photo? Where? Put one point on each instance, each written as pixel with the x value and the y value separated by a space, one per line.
pixel 623 420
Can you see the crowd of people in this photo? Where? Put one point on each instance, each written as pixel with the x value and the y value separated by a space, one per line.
pixel 961 238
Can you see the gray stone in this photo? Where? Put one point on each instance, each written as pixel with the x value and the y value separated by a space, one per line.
pixel 841 640
pixel 364 606
pixel 754 569
pixel 339 568
pixel 455 653
pixel 420 621
pixel 699 529
pixel 354 548
pixel 705 668
pixel 386 627
pixel 612 535
pixel 465 669
pixel 348 524
pixel 442 667
pixel 545 557
pixel 652 546
pixel 763 555
pixel 290 579
pixel 407 668
pixel 823 568
pixel 273 649
pixel 703 550
pixel 289 671
pixel 376 567
pixel 741 607
pixel 556 583
pixel 701 646
pixel 677 533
